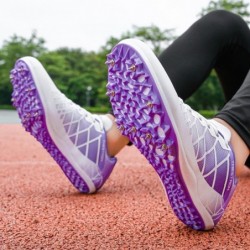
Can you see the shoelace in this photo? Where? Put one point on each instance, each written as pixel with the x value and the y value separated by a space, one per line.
pixel 87 115
pixel 187 109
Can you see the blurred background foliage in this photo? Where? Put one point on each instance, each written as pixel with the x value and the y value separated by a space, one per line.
pixel 82 75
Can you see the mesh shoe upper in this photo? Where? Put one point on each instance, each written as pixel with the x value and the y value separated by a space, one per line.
pixel 214 157
pixel 87 134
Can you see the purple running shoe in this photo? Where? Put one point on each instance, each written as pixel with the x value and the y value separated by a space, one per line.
pixel 75 138
pixel 191 155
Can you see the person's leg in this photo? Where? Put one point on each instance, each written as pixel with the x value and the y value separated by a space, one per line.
pixel 236 115
pixel 240 149
pixel 219 40
pixel 115 140
pixel 193 156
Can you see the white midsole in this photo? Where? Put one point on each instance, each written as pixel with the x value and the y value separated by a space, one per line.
pixel 188 166
pixel 45 88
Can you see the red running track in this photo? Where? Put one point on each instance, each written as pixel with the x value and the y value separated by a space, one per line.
pixel 39 209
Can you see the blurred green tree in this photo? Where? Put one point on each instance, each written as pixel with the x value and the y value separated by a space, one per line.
pixel 210 95
pixel 78 74
pixel 156 38
pixel 11 50
pixel 239 7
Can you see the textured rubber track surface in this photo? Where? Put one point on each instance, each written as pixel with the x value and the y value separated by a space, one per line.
pixel 40 209
pixel 140 115
pixel 26 99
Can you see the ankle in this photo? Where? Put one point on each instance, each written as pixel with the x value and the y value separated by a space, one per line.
pixel 240 149
pixel 115 140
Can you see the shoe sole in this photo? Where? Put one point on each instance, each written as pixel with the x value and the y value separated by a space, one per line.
pixel 27 101
pixel 141 115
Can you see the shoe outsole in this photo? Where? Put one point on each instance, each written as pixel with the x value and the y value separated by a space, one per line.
pixel 26 100
pixel 141 115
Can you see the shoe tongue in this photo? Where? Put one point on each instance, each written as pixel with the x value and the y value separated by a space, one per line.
pixel 222 129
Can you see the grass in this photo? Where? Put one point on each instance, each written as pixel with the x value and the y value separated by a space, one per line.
pixel 7 107
pixel 103 110
pixel 94 110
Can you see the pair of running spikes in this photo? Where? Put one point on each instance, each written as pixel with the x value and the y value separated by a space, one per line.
pixel 191 155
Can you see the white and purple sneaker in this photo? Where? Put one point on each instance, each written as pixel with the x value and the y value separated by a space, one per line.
pixel 191 155
pixel 75 138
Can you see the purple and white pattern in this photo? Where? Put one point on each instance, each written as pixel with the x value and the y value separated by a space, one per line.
pixel 87 134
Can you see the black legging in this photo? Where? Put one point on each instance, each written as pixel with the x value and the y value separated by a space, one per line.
pixel 220 40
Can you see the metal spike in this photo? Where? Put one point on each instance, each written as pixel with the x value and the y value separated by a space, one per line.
pixel 111 62
pixel 133 129
pixel 150 104
pixel 164 147
pixel 111 93
pixel 132 67
pixel 121 127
